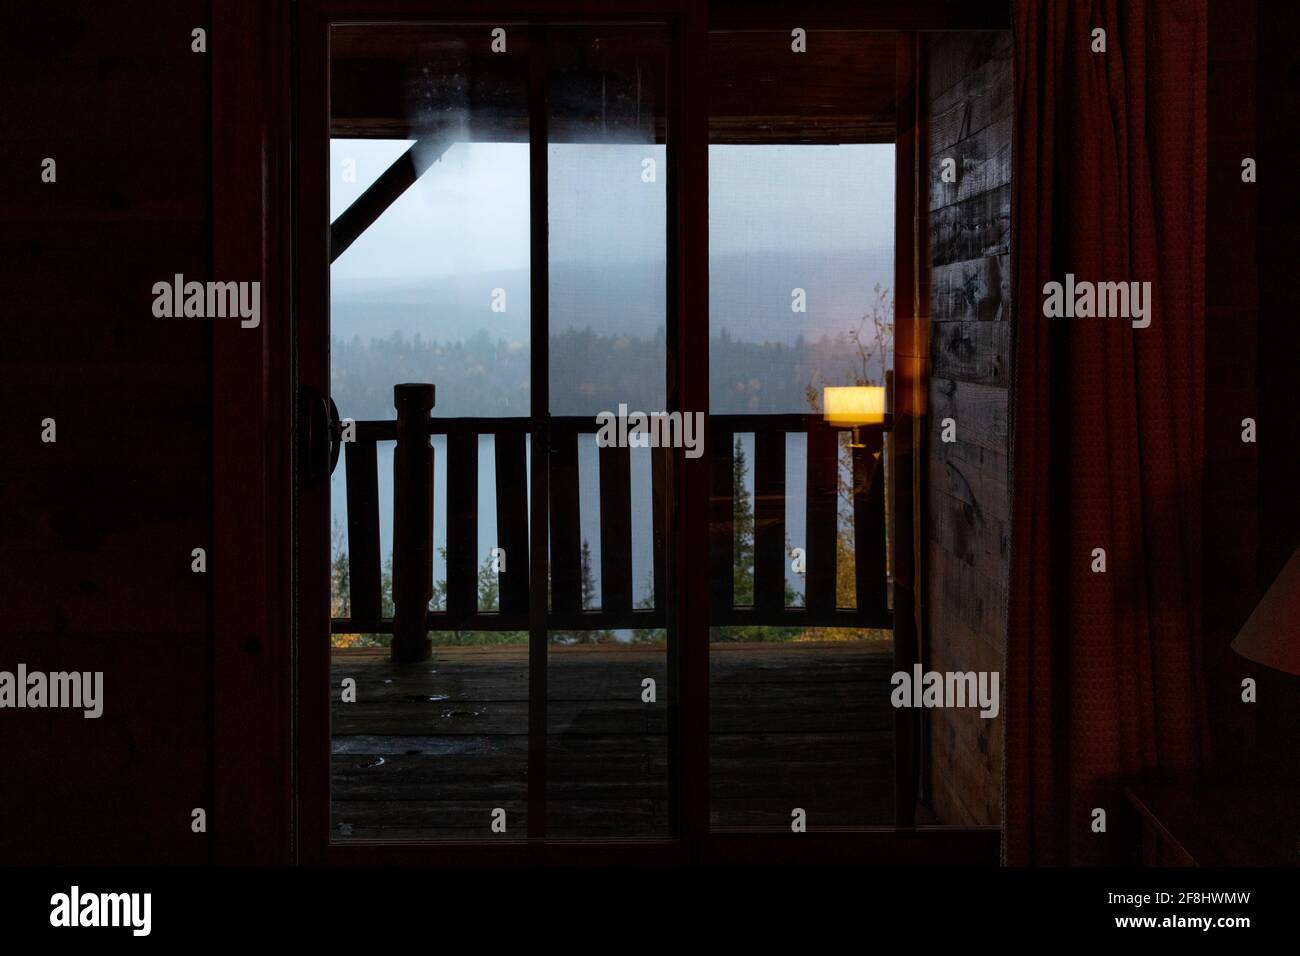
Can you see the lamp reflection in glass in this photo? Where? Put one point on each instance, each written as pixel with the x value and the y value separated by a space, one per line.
pixel 854 406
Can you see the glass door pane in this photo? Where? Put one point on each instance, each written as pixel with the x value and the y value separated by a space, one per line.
pixel 801 264
pixel 607 656
pixel 438 168
pixel 429 283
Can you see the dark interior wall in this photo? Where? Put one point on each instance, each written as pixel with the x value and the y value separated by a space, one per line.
pixel 969 81
pixel 1251 513
pixel 1230 517
pixel 98 527
pixel 1277 235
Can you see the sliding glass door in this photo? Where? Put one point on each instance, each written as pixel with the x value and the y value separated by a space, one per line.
pixel 616 334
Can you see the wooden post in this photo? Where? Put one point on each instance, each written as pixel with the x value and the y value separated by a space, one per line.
pixel 412 523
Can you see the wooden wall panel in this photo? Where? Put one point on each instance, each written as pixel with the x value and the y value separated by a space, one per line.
pixel 968 503
pixel 979 99
pixel 95 545
pixel 975 352
pixel 971 228
pixel 980 163
pixel 962 57
pixel 973 290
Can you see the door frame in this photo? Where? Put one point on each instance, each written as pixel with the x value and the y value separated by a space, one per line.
pixel 270 682
pixel 251 558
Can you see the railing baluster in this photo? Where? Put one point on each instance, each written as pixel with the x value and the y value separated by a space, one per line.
pixel 869 526
pixel 462 527
pixel 413 529
pixel 512 521
pixel 364 592
pixel 769 522
pixel 566 528
pixel 722 519
pixel 413 525
pixel 659 496
pixel 823 492
pixel 616 530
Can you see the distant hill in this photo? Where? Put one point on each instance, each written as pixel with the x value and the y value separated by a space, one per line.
pixel 589 373
pixel 607 342
pixel 749 299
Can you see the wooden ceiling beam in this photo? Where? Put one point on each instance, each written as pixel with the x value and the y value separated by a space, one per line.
pixel 384 191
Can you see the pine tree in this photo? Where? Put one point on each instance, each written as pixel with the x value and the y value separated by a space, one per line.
pixel 742 516
pixel 743 561
pixel 340 586
pixel 588 585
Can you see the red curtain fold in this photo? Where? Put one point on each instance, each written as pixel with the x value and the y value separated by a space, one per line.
pixel 1103 677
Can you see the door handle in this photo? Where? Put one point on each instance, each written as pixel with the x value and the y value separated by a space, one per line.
pixel 336 435
pixel 317 448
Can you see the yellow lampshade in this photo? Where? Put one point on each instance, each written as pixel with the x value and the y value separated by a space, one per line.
pixel 854 405
pixel 1271 636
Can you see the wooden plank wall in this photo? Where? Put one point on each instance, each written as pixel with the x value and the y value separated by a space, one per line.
pixel 969 83
pixel 98 526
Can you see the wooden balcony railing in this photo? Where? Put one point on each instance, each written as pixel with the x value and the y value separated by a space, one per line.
pixel 413 526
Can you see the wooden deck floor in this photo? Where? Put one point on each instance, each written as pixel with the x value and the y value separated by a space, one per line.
pixel 428 750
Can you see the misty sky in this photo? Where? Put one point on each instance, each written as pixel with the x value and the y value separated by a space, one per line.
pixel 469 212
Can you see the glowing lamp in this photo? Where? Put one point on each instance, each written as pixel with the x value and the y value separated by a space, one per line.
pixel 854 406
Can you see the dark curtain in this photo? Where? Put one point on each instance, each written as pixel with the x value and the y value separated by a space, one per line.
pixel 1103 681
